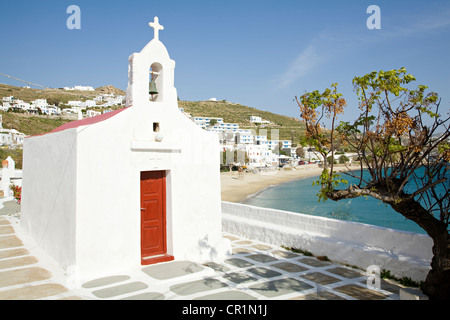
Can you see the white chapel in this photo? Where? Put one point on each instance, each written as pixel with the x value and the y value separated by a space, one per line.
pixel 132 187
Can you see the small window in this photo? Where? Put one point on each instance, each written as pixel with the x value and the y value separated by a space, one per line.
pixel 155 126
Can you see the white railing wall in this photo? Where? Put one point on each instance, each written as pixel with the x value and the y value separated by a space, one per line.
pixel 404 254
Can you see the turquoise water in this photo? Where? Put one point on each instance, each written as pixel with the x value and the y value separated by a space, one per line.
pixel 300 196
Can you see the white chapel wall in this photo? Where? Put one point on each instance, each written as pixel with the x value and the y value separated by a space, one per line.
pixel 48 196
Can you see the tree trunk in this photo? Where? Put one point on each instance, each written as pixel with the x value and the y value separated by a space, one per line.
pixel 437 282
pixel 437 285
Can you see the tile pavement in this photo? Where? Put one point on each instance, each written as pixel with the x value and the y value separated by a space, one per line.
pixel 255 271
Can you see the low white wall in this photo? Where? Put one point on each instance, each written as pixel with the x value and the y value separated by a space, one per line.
pixel 405 254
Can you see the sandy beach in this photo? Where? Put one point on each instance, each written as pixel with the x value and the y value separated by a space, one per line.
pixel 236 190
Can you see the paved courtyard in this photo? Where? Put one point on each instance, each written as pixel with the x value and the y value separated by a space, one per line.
pixel 255 271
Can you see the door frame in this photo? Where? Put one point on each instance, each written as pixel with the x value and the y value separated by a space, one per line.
pixel 164 256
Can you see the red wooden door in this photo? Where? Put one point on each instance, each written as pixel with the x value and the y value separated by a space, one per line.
pixel 153 213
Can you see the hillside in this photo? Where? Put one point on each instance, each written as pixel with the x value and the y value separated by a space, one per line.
pixel 289 128
pixel 55 96
pixel 234 113
pixel 32 124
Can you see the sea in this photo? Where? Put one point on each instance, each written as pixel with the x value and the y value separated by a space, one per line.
pixel 301 196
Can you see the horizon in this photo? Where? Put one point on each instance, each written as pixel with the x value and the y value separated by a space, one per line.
pixel 260 54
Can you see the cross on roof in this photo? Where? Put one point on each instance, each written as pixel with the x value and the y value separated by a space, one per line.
pixel 156 26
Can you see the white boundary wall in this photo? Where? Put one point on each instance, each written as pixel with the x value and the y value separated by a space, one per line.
pixel 405 254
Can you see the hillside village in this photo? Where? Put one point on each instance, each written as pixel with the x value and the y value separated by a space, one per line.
pixel 258 142
pixel 42 107
pixel 256 149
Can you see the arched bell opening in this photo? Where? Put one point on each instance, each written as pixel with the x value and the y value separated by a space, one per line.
pixel 155 87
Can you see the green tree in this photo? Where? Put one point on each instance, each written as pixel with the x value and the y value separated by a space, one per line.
pixel 54 101
pixel 300 152
pixel 397 132
pixel 314 106
pixel 212 122
pixel 343 159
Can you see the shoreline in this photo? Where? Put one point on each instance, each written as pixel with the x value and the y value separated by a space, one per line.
pixel 237 190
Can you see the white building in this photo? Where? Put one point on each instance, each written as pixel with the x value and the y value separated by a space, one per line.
pixel 245 137
pixel 273 144
pixel 84 88
pixel 312 155
pixel 260 155
pixel 92 113
pixel 229 126
pixel 115 100
pixel 262 151
pixel 261 139
pixel 291 151
pixel 73 110
pixel 11 137
pixel 45 108
pixel 285 144
pixel 18 137
pixel 205 122
pixel 79 88
pixel 8 99
pixel 88 104
pixel 135 186
pixel 257 119
pixel 75 103
pixel 6 138
pixel 5 106
pixel 25 106
pixel 40 103
pixel 53 110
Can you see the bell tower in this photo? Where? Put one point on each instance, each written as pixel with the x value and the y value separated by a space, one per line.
pixel 151 92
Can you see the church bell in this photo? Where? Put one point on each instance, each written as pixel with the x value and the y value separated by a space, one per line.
pixel 152 88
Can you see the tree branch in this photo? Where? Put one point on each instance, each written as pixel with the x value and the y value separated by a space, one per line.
pixel 355 192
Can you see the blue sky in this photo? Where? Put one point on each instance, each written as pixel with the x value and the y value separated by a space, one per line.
pixel 258 53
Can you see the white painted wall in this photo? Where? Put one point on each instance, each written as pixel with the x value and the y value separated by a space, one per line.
pixel 403 253
pixel 48 206
pixel 108 194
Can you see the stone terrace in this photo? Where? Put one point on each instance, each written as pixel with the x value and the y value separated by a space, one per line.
pixel 255 271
